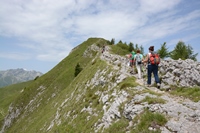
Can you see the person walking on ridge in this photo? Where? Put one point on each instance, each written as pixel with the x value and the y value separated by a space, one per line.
pixel 103 49
pixel 132 62
pixel 151 68
pixel 138 62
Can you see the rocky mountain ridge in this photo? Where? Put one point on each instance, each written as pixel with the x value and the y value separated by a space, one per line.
pixel 110 96
pixel 184 73
pixel 184 114
pixel 13 76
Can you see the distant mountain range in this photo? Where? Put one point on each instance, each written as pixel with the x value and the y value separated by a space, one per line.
pixel 12 76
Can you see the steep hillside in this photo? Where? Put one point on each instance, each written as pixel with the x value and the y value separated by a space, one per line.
pixel 8 95
pixel 104 97
pixel 49 86
pixel 13 76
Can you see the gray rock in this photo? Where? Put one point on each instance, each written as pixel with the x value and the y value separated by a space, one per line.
pixel 185 73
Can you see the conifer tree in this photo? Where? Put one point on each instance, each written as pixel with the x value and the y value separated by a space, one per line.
pixel 190 53
pixel 131 47
pixel 120 41
pixel 141 50
pixel 183 52
pixel 163 51
pixel 136 47
pixel 78 69
pixel 112 41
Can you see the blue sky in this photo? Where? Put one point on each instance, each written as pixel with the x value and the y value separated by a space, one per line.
pixel 38 34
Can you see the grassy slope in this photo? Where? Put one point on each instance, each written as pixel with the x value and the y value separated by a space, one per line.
pixel 8 95
pixel 77 102
pixel 54 83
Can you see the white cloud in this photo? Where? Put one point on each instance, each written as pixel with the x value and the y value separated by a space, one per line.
pixel 156 6
pixel 52 28
pixel 15 56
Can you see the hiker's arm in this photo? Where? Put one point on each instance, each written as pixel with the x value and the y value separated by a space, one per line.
pixel 146 59
pixel 142 57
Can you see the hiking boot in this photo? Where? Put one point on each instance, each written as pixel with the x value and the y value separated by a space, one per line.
pixel 148 85
pixel 131 72
pixel 158 85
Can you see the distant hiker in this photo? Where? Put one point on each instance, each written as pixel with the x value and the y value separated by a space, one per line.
pixel 103 48
pixel 138 62
pixel 128 57
pixel 152 66
pixel 132 62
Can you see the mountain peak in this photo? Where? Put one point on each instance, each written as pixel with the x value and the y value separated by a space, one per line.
pixel 13 76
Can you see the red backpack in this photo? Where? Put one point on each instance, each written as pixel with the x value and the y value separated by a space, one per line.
pixel 154 58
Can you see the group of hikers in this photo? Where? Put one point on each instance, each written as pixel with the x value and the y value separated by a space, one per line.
pixel 151 62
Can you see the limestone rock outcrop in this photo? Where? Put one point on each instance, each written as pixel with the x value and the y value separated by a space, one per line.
pixel 183 73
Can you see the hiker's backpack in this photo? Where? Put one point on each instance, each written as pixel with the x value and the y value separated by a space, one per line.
pixel 138 59
pixel 133 54
pixel 154 58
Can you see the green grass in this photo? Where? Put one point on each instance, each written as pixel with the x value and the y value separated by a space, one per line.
pixel 149 119
pixel 128 82
pixel 8 95
pixel 87 99
pixel 118 126
pixel 115 49
pixel 150 92
pixel 153 100
pixel 191 93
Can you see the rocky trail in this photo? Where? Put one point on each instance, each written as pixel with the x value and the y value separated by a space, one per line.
pixel 183 114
